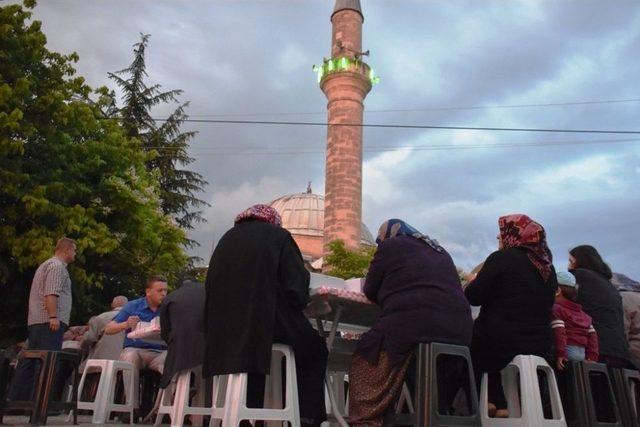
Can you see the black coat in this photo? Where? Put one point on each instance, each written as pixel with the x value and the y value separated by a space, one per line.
pixel 182 324
pixel 515 313
pixel 419 291
pixel 601 300
pixel 255 272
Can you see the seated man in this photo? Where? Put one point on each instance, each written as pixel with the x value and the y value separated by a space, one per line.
pixel 98 344
pixel 182 323
pixel 143 354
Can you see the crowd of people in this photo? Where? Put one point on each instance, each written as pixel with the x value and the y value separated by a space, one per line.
pixel 257 287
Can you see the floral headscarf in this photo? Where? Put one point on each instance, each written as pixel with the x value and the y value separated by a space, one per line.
pixel 397 227
pixel 520 231
pixel 264 213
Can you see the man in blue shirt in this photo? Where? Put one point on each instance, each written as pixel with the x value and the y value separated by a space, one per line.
pixel 142 354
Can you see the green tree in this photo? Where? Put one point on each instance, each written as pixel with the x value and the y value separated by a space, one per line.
pixel 166 143
pixel 66 170
pixel 346 263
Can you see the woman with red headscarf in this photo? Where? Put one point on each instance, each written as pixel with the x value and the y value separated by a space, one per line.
pixel 515 289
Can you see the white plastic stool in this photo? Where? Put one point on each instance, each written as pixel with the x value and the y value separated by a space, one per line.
pixel 530 412
pixel 104 405
pixel 234 409
pixel 335 400
pixel 178 407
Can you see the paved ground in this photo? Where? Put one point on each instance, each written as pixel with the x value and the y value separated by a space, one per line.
pixel 59 421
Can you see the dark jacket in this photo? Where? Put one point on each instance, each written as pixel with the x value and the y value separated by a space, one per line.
pixel 601 300
pixel 515 311
pixel 182 325
pixel 419 292
pixel 256 272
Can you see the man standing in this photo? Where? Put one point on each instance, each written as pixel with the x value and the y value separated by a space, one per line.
pixel 98 344
pixel 49 313
pixel 141 353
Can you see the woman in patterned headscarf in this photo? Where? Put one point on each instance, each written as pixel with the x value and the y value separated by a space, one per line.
pixel 515 289
pixel 257 287
pixel 413 280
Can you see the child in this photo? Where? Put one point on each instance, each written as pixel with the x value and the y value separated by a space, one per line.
pixel 575 338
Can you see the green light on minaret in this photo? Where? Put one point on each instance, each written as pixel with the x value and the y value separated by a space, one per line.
pixel 344 64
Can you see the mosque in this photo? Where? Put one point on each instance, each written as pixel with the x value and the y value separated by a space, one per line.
pixel 314 220
pixel 303 215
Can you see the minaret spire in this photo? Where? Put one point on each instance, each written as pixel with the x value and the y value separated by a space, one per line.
pixel 345 80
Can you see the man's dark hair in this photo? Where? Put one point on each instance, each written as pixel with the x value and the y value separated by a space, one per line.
pixel 153 279
pixel 569 292
pixel 588 257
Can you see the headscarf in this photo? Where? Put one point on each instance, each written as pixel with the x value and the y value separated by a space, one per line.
pixel 520 231
pixel 397 227
pixel 264 213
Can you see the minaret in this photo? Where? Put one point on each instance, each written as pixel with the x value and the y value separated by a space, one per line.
pixel 345 80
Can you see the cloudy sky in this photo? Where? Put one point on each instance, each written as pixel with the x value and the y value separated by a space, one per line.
pixel 455 63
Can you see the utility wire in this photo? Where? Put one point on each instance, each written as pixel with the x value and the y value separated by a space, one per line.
pixel 427 109
pixel 397 126
pixel 226 151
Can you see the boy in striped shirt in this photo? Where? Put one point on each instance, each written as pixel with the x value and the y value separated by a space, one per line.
pixel 575 337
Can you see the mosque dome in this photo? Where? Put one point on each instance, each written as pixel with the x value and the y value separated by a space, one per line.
pixel 303 215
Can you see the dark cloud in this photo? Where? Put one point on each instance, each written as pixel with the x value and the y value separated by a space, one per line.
pixel 241 57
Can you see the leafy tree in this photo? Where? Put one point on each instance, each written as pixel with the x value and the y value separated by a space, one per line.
pixel 66 170
pixel 346 263
pixel 166 143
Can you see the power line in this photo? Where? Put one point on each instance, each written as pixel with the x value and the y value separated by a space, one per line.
pixel 244 151
pixel 398 126
pixel 427 109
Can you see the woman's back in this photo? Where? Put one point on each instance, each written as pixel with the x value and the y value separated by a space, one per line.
pixel 417 276
pixel 601 300
pixel 420 295
pixel 515 310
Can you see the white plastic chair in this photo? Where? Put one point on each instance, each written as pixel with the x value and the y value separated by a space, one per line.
pixel 234 408
pixel 179 407
pixel 529 412
pixel 104 403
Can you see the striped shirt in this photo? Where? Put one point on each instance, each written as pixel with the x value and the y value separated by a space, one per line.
pixel 51 278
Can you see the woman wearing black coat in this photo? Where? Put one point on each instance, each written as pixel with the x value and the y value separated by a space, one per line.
pixel 256 289
pixel 516 289
pixel 602 301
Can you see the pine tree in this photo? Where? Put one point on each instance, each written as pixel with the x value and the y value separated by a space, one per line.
pixel 65 170
pixel 167 143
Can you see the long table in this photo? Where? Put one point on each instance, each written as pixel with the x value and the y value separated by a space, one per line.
pixel 349 309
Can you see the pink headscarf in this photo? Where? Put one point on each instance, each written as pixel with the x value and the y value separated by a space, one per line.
pixel 264 213
pixel 520 231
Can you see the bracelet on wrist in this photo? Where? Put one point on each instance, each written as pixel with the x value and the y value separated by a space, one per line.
pixel 53 317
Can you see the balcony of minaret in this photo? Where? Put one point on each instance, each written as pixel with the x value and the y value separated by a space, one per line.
pixel 346 67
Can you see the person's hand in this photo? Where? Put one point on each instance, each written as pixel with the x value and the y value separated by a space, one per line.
pixel 54 324
pixel 132 321
pixel 560 363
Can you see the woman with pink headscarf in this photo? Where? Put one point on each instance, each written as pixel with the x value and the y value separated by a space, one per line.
pixel 515 289
pixel 257 287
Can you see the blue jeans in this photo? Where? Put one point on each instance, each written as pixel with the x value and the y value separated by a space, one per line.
pixel 40 338
pixel 575 353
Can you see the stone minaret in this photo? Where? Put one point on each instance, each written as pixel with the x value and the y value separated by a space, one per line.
pixel 345 80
